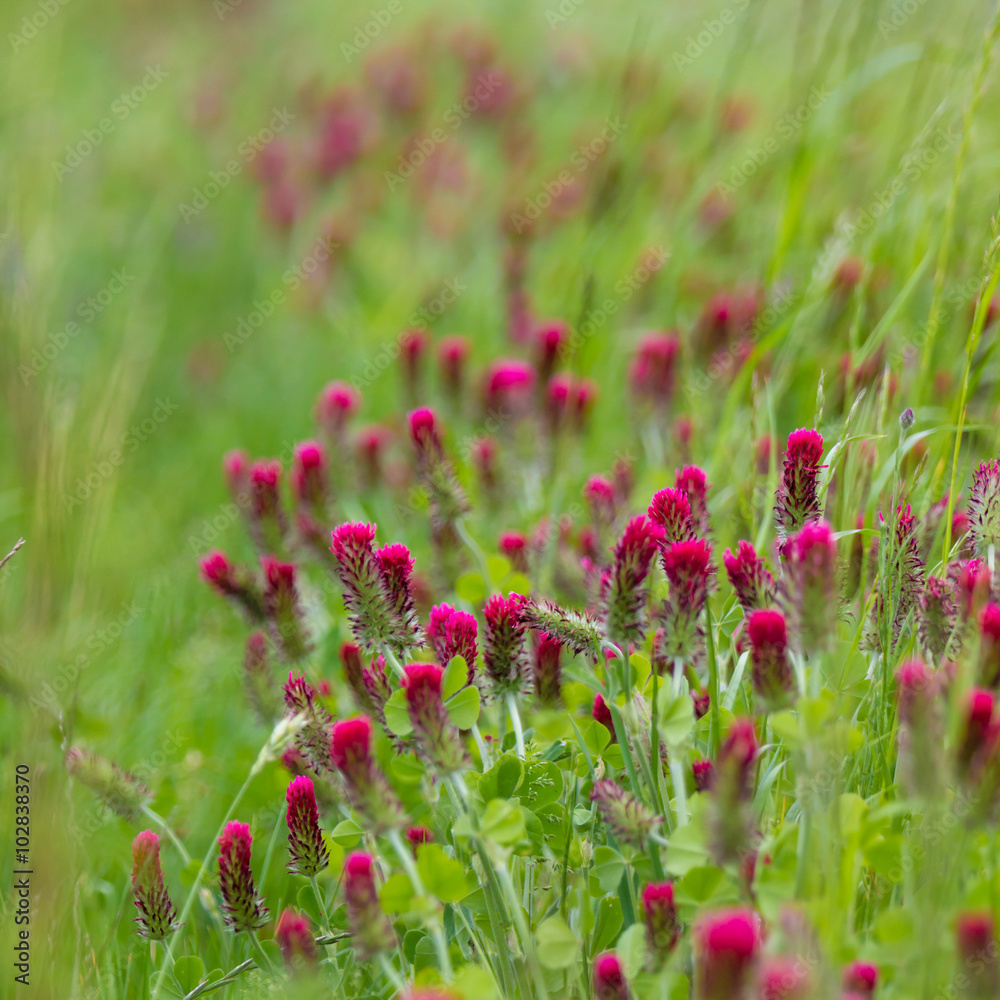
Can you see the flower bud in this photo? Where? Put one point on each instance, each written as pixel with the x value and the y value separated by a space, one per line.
pixel 284 611
pixel 244 909
pixel 623 599
pixel 453 354
pixel 984 508
pixel 609 978
pixel 305 840
pixel 602 714
pixel 220 574
pixel 704 775
pixel 268 526
pixel 157 917
pixel 661 919
pixel 370 929
pixel 726 947
pixel 989 646
pixel 367 787
pixel 294 935
pixel 860 978
pixel 438 738
pixel 337 403
pixel 977 950
pixel 772 670
pixel 652 373
pixel 547 668
pixel 693 481
pixel 514 546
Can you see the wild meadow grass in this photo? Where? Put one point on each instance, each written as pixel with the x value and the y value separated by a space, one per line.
pixel 509 499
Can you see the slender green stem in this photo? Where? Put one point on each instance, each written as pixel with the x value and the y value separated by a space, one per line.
pixel 263 962
pixel 484 753
pixel 680 789
pixel 473 546
pixel 391 974
pixel 523 931
pixel 515 719
pixel 317 892
pixel 391 659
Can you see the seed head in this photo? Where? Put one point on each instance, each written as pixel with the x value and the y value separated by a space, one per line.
pixel 120 791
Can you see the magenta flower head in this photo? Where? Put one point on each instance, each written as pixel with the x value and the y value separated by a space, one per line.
pixel 413 344
pixel 236 469
pixel 505 656
pixel 693 481
pixel 784 978
pixel 976 940
pixel 918 694
pixel 726 947
pixel 623 601
pixel 703 772
pixel 121 792
pixel 370 929
pixel 309 475
pixel 509 387
pixel 453 355
pixel 245 910
pixel 980 733
pixel 772 670
pixel 425 432
pixel 731 816
pixel 609 978
pixel 602 499
pixel 798 491
pixel 984 508
pixel 972 586
pixel 550 342
pixel 446 498
pixel 266 514
pixel 453 633
pixel 337 403
pixel 629 821
pixel 514 546
pixel 223 577
pixel 312 735
pixel 484 458
pixel 671 510
pixel 284 612
pixel 749 577
pixel 369 446
pixel 305 840
pixel 688 568
pixel 367 787
pixel 377 587
pixel 602 714
pixel 396 566
pixel 938 618
pixel 547 668
pixel 661 919
pixel 157 917
pixel 905 574
pixel 294 935
pixel 438 738
pixel 652 373
pixel 354 671
pixel 417 835
pixel 860 978
pixel 810 587
pixel 258 681
pixel 989 646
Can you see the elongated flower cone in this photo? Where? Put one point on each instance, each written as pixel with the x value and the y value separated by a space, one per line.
pixel 370 929
pixel 354 672
pixel 259 683
pixel 972 586
pixel 976 940
pixel 602 714
pixel 652 373
pixel 244 909
pixel 222 576
pixel 989 646
pixel 693 481
pixel 772 674
pixel 447 499
pixel 920 728
pixel 809 591
pixel 902 579
pixel 629 821
pixel 305 840
pixel 438 738
pixel 453 355
pixel 312 737
pixel 784 978
pixel 609 978
pixel 730 816
pixel 798 491
pixel 337 403
pixel 284 611
pixel 671 510
pixel 453 633
pixel 396 566
pixel 660 913
pixel 310 476
pixel 984 508
pixel 861 978
pixel 939 631
pixel 157 917
pixel 703 772
pixel 749 577
pixel 980 733
pixel 577 631
pixel 689 571
pixel 726 947
pixel 505 654
pixel 120 791
pixel 378 687
pixel 547 668
pixel 266 515
pixel 367 787
pixel 602 500
pixel 294 935
pixel 509 387
pixel 623 599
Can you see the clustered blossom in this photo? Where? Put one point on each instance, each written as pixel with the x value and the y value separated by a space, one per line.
pixel 505 655
pixel 244 909
pixel 627 818
pixel 157 917
pixel 688 568
pixel 377 587
pixel 447 499
pixel 305 839
pixel 694 483
pixel 671 510
pixel 623 601
pixel 749 577
pixel 976 939
pixel 917 692
pixel 860 978
pixel 652 373
pixel 810 585
pixel 547 668
pixel 120 791
pixel 266 516
pixel 784 978
pixel 370 929
pixel 367 787
pixel 453 633
pixel 609 978
pixel 438 738
pixel 984 508
pixel 901 578
pixel 294 935
pixel 798 491
pixel 938 630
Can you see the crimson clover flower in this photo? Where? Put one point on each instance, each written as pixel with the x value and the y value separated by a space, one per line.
pixel 662 929
pixel 157 917
pixel 693 481
pixel 629 821
pixel 732 785
pixel 670 508
pixel 294 935
pixel 749 577
pixel 219 573
pixel 772 670
pixel 798 490
pixel 810 585
pixel 547 669
pixel 505 655
pixel 860 978
pixel 609 978
pixel 305 839
pixel 453 633
pixel 976 940
pixel 623 600
pixel 312 737
pixel 726 945
pixel 984 507
pixel 244 909
pixel 438 738
pixel 370 929
pixel 283 608
pixel 367 787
